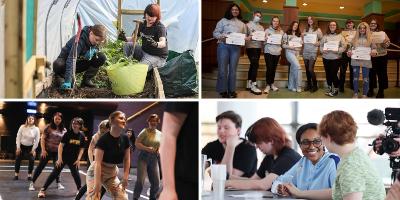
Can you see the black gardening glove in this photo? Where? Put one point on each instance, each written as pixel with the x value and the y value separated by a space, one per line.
pixel 152 42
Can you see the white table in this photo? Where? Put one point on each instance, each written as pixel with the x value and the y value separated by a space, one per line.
pixel 265 195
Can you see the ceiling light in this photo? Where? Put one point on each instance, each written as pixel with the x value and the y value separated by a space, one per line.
pixel 304 4
pixel 265 1
pixel 341 7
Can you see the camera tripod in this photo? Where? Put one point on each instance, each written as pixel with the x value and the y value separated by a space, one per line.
pixel 395 165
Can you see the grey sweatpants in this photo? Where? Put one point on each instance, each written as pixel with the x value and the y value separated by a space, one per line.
pixel 143 57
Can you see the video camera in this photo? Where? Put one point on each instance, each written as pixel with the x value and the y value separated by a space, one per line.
pixel 392 115
pixel 388 145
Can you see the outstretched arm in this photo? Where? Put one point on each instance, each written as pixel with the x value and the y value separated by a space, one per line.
pixel 172 123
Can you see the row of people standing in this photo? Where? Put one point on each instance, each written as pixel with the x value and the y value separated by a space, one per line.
pixel 326 170
pixel 228 55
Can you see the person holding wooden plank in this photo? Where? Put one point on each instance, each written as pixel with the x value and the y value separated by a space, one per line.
pixel 89 59
pixel 154 48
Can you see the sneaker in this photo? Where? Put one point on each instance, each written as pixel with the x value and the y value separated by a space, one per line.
pixel 248 85
pixel 355 96
pixel 224 95
pixel 380 94
pixel 293 90
pixel 364 96
pixel 334 92
pixel 60 186
pixel 329 90
pixel 267 89
pixel 298 90
pixel 314 88
pixel 254 89
pixel 274 88
pixel 232 95
pixel 42 194
pixel 31 187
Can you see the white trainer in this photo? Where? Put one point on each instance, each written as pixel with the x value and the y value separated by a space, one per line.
pixel 248 85
pixel 60 186
pixel 254 89
pixel 267 89
pixel 31 187
pixel 274 88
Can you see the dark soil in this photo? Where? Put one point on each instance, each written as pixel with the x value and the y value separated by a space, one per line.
pixel 104 91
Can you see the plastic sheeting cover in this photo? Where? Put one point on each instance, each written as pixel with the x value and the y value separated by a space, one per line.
pixel 181 17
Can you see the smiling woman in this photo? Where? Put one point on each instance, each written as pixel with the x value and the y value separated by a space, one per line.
pixel 316 163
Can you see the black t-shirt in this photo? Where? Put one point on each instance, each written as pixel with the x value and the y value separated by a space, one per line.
pixel 244 158
pixel 114 148
pixel 155 32
pixel 73 142
pixel 186 162
pixel 286 159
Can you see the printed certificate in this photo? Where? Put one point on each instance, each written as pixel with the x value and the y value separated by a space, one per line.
pixel 274 39
pixel 361 53
pixel 378 37
pixel 310 38
pixel 295 42
pixel 258 36
pixel 236 39
pixel 331 46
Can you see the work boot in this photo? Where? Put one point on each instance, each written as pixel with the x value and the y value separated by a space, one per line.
pixel 58 80
pixel 87 83
pixel 308 86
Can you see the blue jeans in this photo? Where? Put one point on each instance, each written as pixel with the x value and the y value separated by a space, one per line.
pixel 228 58
pixel 295 76
pixel 356 75
pixel 147 162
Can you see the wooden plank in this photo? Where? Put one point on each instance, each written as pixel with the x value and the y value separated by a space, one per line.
pixel 119 20
pixel 41 85
pixel 159 86
pixel 40 68
pixel 2 53
pixel 15 52
pixel 27 78
pixel 131 12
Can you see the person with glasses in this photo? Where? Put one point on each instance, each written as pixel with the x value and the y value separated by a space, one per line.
pixel 239 156
pixel 316 165
pixel 271 139
pixel 356 177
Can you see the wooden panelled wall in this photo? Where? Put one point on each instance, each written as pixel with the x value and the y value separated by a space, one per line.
pixel 212 11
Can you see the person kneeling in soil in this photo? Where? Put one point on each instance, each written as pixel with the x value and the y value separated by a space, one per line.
pixel 89 59
pixel 154 49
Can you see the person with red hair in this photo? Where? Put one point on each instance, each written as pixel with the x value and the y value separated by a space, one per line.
pixel 272 140
pixel 154 48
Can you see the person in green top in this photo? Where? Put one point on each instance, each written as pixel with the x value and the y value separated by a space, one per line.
pixel 356 178
pixel 148 142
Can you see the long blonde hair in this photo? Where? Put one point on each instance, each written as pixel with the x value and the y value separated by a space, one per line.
pixel 367 33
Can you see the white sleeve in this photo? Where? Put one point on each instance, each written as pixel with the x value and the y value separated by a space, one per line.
pixel 19 135
pixel 37 138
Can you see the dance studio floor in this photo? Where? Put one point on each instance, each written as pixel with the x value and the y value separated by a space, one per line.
pixel 18 189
